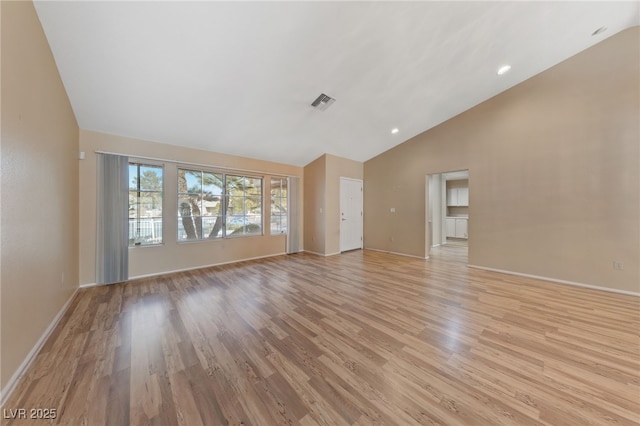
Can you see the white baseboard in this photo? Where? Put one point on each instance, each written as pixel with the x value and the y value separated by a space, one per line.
pixel 31 356
pixel 558 281
pixel 398 254
pixel 321 254
pixel 90 285
pixel 155 274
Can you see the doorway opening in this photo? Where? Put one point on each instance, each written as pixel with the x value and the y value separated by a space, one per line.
pixel 447 213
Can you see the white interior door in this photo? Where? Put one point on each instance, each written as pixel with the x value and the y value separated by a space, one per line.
pixel 350 214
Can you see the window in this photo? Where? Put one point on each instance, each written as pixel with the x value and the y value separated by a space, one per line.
pixel 279 205
pixel 199 204
pixel 215 205
pixel 244 207
pixel 145 204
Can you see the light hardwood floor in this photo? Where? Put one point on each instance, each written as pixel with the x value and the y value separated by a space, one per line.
pixel 359 338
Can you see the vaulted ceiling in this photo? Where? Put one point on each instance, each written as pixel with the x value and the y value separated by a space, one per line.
pixel 239 77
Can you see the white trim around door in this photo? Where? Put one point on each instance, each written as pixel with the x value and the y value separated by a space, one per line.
pixel 351 214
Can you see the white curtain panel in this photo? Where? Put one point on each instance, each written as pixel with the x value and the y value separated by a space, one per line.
pixel 112 248
pixel 293 231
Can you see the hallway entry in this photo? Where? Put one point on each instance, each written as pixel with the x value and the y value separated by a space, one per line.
pixel 447 210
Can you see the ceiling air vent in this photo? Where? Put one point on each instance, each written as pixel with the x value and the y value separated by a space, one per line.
pixel 322 102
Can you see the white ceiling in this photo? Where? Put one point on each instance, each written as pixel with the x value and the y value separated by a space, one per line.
pixel 239 77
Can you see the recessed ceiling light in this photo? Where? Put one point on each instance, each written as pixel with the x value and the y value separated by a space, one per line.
pixel 599 31
pixel 504 69
pixel 394 131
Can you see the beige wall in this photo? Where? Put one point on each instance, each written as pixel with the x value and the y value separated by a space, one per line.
pixel 315 205
pixel 322 201
pixel 554 173
pixel 172 256
pixel 2 381
pixel 39 187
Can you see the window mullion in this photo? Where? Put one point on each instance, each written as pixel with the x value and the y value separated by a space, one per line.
pixel 138 200
pixel 224 205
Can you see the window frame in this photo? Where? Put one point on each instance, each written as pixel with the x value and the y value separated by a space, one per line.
pixel 244 197
pixel 223 203
pixel 142 162
pixel 281 197
pixel 201 195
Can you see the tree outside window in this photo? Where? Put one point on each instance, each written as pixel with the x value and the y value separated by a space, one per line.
pixel 213 205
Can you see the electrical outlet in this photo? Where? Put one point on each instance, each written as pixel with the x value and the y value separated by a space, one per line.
pixel 618 266
pixel 392 209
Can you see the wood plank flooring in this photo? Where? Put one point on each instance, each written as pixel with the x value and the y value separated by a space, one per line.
pixel 356 339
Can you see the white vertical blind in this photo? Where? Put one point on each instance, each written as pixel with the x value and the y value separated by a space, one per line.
pixel 112 242
pixel 293 231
